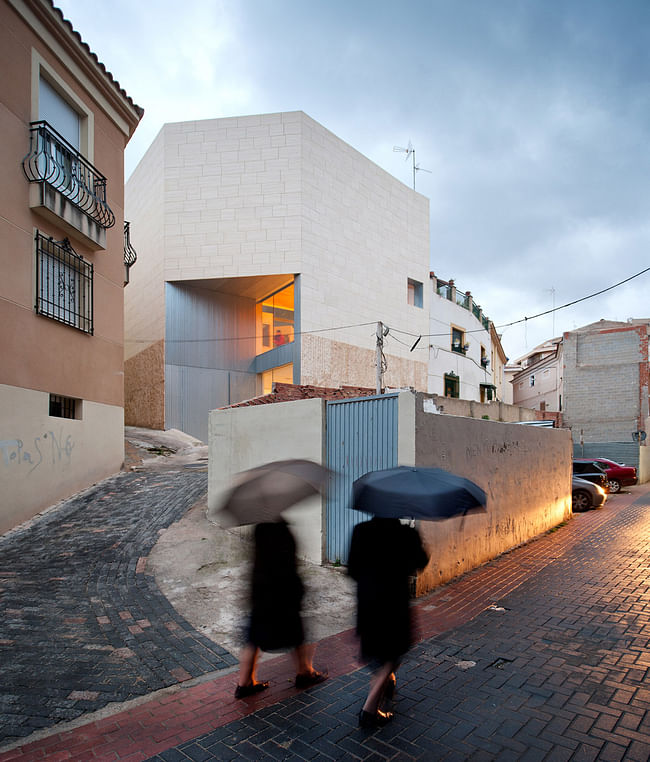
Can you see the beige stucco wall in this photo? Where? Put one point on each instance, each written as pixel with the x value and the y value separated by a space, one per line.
pixel 525 471
pixel 242 438
pixel 45 459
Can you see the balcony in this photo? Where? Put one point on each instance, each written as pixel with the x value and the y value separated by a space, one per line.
pixel 130 255
pixel 66 188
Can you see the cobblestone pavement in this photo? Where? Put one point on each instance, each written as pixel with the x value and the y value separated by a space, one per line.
pixel 541 654
pixel 82 623
pixel 557 670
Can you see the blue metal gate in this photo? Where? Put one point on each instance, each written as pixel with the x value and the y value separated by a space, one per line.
pixel 361 437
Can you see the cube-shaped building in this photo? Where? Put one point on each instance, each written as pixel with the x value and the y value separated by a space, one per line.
pixel 268 250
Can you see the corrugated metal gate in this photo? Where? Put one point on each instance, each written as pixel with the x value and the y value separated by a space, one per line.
pixel 361 437
pixel 620 452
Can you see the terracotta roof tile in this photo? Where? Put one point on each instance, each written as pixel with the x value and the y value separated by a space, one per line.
pixel 138 109
pixel 288 392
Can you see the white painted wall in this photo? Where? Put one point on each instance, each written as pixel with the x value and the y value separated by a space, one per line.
pixel 444 314
pixel 246 437
pixel 45 459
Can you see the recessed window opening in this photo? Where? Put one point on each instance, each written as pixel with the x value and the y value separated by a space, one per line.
pixel 275 320
pixel 458 341
pixel 282 374
pixel 64 284
pixel 414 291
pixel 58 113
pixel 64 407
pixel 452 385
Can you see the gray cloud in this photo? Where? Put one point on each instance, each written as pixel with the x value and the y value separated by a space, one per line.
pixel 532 117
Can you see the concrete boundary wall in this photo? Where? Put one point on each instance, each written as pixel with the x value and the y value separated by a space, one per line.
pixel 525 471
pixel 245 437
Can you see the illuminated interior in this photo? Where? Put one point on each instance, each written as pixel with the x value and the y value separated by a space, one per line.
pixel 274 319
pixel 283 374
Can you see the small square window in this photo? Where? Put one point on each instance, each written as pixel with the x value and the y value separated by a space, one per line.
pixel 414 290
pixel 64 407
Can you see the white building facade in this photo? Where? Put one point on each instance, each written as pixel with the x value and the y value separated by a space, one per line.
pixel 268 250
pixel 466 359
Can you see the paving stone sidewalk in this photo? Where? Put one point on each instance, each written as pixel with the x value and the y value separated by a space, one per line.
pixel 82 622
pixel 556 670
pixel 541 654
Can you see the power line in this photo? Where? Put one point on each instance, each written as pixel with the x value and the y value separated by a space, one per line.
pixel 247 338
pixel 398 330
pixel 575 301
pixel 531 317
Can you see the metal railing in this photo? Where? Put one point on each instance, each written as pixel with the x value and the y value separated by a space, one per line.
pixel 130 254
pixel 64 284
pixel 53 160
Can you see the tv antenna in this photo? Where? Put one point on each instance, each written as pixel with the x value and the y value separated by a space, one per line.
pixel 410 151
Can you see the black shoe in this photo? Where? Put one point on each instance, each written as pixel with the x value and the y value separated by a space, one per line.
pixel 242 691
pixel 306 681
pixel 376 720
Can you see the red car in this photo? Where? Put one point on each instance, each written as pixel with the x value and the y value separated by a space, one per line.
pixel 618 475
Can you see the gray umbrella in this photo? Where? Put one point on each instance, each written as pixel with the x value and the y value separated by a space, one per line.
pixel 263 493
pixel 416 492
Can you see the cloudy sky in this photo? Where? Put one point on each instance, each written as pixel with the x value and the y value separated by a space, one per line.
pixel 532 118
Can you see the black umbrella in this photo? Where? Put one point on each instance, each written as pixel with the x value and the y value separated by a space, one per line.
pixel 263 493
pixel 416 492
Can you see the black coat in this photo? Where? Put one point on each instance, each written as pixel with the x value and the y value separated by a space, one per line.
pixel 384 553
pixel 276 592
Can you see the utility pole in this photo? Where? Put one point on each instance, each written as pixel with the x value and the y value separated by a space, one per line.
pixel 381 332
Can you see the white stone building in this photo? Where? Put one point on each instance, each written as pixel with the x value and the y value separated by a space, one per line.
pixel 268 249
pixel 466 358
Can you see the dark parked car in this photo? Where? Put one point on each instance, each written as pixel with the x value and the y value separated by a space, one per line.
pixel 585 495
pixel 591 471
pixel 618 474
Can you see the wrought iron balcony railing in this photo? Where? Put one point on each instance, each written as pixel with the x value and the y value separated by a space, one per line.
pixel 130 254
pixel 53 160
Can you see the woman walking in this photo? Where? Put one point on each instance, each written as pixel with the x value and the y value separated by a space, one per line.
pixel 384 553
pixel 276 597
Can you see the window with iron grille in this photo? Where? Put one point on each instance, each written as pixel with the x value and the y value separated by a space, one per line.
pixel 64 284
pixel 63 407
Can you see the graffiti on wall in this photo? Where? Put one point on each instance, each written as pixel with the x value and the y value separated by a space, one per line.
pixel 49 448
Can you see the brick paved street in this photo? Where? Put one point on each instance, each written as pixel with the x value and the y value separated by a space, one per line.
pixel 539 655
pixel 557 670
pixel 82 624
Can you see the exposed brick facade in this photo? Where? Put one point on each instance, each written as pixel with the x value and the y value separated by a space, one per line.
pixel 606 380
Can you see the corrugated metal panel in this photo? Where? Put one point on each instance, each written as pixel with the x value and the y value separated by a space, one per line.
pixel 361 437
pixel 206 364
pixel 190 393
pixel 621 452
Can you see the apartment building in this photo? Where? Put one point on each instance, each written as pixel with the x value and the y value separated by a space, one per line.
pixel 65 123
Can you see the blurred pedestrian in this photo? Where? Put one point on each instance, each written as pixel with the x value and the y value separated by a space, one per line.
pixel 384 553
pixel 275 623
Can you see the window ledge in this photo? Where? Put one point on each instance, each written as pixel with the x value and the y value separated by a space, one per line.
pixel 56 207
